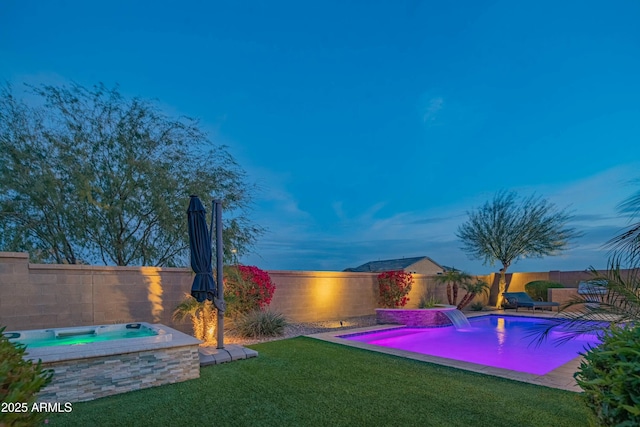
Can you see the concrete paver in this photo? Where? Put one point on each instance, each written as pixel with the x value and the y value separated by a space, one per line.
pixel 231 352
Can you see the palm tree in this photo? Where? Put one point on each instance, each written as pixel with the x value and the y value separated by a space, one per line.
pixel 628 242
pixel 605 375
pixel 453 279
pixel 202 314
pixel 473 289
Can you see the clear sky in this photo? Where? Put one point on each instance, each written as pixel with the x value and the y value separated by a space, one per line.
pixel 372 127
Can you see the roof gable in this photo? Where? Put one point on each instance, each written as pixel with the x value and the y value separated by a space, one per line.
pixel 389 265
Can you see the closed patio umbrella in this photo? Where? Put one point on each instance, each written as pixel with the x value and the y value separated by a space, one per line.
pixel 204 286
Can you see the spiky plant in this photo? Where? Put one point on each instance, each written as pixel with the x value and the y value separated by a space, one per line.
pixel 260 323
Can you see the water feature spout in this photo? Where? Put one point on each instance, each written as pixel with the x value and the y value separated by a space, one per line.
pixel 458 319
pixel 438 316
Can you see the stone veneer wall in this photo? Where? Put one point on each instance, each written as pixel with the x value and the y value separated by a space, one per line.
pixel 413 318
pixel 88 379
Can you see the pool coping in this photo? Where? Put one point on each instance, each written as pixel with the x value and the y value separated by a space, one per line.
pixel 559 378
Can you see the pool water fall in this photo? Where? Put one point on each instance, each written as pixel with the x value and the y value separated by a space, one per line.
pixel 458 319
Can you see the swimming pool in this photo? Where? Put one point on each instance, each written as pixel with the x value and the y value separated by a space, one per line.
pixel 500 341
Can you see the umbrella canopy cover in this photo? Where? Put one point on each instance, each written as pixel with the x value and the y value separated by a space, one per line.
pixel 204 286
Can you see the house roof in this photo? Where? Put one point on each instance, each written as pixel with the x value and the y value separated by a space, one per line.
pixel 389 265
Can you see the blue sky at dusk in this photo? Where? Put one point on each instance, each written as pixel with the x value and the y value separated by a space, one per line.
pixel 371 128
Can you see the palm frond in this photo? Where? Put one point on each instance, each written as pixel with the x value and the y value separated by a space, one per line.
pixel 595 312
pixel 187 307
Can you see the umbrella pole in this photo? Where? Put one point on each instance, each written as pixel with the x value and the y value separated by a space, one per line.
pixel 220 279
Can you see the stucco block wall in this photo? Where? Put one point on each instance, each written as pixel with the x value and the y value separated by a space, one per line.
pixel 310 296
pixel 563 296
pixel 425 286
pixel 517 281
pixel 37 296
pixel 570 279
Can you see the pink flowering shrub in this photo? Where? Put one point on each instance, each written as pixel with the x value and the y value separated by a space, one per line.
pixel 394 287
pixel 247 288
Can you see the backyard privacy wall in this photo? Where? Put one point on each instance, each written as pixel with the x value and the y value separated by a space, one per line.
pixel 36 296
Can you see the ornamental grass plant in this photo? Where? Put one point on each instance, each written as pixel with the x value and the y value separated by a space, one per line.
pixel 259 323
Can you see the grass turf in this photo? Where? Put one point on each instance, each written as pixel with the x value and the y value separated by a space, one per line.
pixel 306 382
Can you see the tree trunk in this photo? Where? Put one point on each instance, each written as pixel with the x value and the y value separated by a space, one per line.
pixel 465 301
pixel 449 299
pixel 455 293
pixel 502 286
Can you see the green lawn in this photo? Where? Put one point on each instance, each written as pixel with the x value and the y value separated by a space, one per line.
pixel 306 382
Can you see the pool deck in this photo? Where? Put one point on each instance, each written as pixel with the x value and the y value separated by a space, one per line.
pixel 560 378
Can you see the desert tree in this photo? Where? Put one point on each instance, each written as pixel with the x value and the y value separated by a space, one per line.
pixel 509 228
pixel 90 176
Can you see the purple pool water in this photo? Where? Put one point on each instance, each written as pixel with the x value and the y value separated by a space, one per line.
pixel 498 341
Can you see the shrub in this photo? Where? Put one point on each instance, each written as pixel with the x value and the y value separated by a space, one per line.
pixel 393 288
pixel 538 289
pixel 20 381
pixel 247 288
pixel 259 323
pixel 610 377
pixel 477 306
pixel 428 302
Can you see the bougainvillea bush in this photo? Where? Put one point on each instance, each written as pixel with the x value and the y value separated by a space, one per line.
pixel 247 288
pixel 394 287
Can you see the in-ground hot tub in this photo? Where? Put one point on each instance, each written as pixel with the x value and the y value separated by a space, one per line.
pixel 87 335
pixel 96 361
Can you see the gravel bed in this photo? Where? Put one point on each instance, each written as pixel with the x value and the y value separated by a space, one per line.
pixel 297 329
